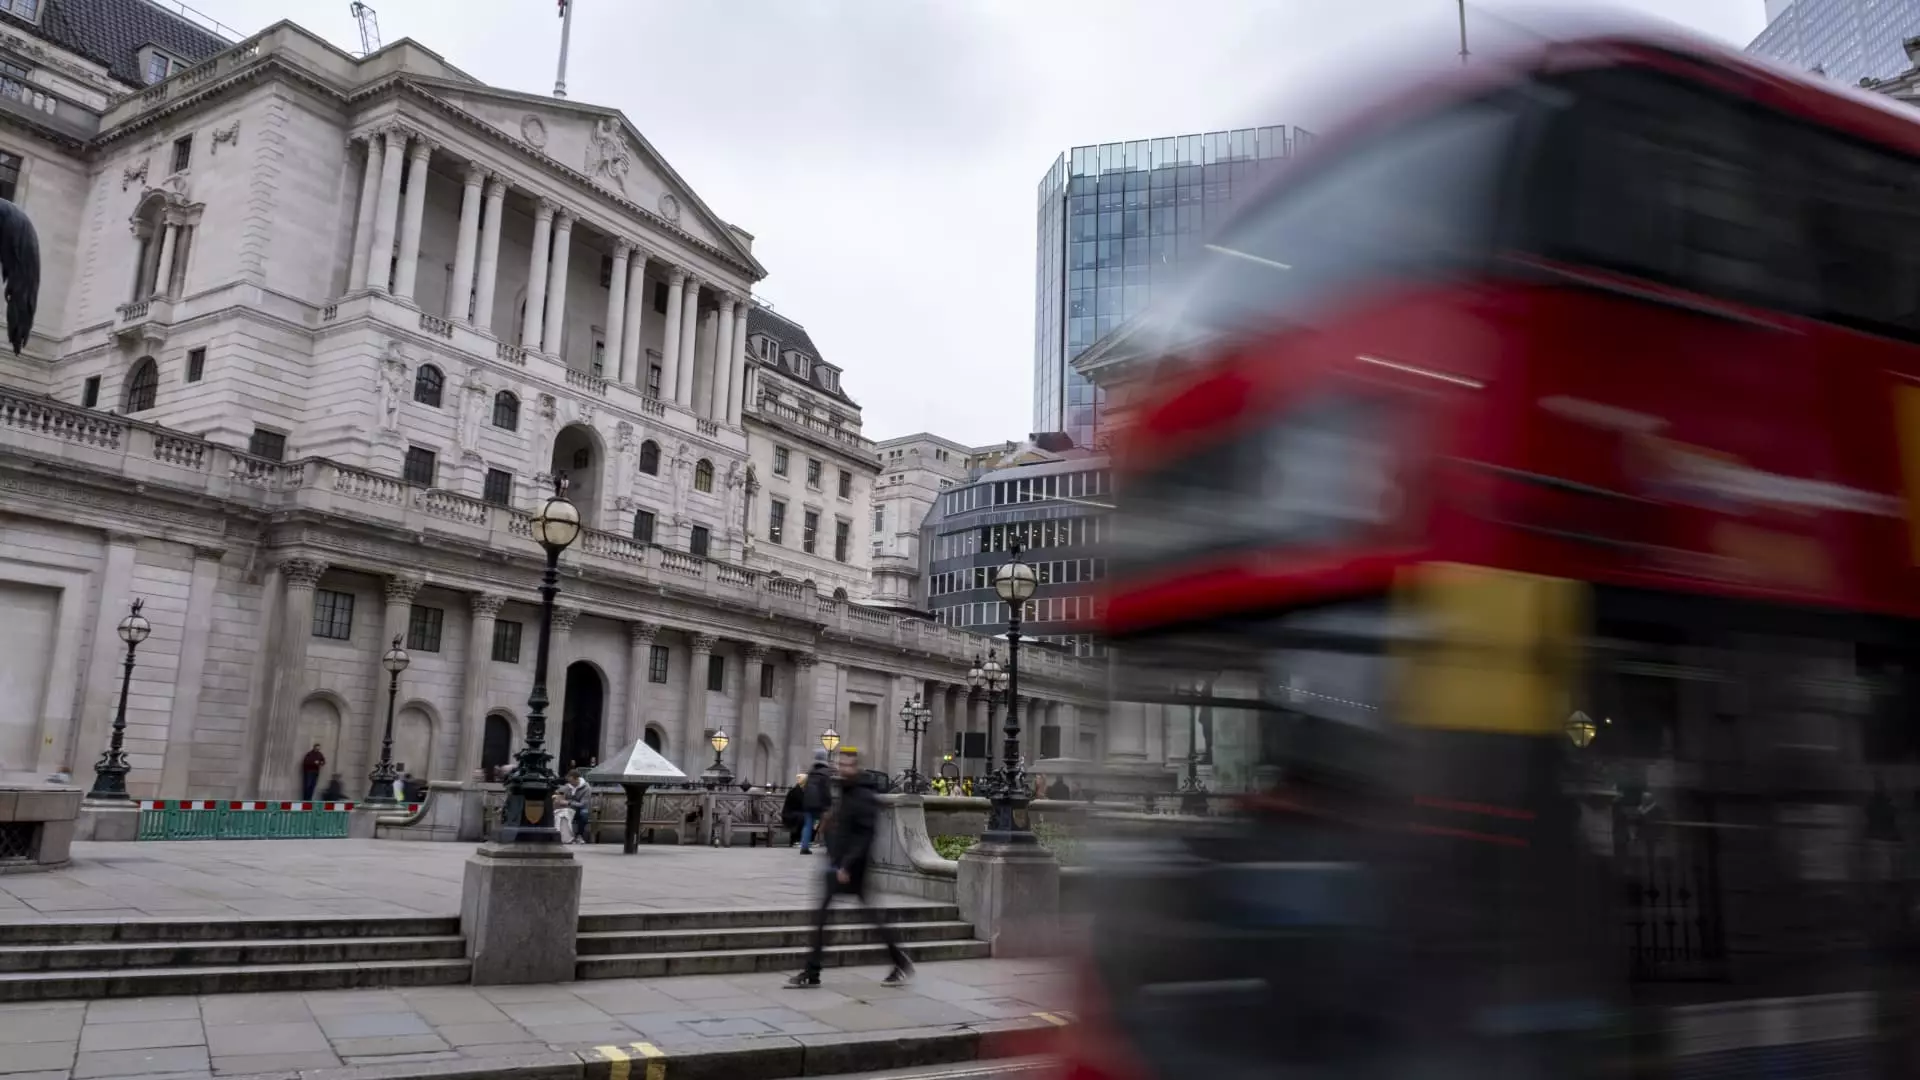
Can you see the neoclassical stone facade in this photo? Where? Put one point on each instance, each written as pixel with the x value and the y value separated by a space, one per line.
pixel 321 331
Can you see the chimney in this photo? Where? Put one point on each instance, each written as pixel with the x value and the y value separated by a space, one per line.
pixel 1912 47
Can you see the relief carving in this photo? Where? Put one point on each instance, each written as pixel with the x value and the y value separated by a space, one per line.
pixel 607 155
pixel 393 384
pixel 228 134
pixel 534 131
pixel 134 174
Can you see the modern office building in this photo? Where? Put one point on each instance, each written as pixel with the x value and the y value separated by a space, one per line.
pixel 1116 222
pixel 1846 40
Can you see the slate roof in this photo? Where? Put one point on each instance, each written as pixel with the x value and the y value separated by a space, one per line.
pixel 113 32
pixel 791 335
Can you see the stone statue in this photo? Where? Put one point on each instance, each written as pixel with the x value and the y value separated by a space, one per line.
pixel 682 466
pixel 623 453
pixel 471 411
pixel 736 479
pixel 393 384
pixel 607 155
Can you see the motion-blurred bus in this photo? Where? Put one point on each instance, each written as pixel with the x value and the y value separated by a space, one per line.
pixel 1531 473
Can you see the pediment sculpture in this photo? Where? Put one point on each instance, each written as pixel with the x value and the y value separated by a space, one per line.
pixel 608 158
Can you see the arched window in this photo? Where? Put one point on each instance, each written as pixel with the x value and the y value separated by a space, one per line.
pixel 144 385
pixel 506 411
pixel 650 458
pixel 427 384
pixel 703 476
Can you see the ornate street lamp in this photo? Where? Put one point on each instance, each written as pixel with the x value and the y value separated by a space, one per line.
pixel 830 739
pixel 1193 793
pixel 914 716
pixel 717 774
pixel 527 817
pixel 1581 729
pixel 110 774
pixel 1007 787
pixel 383 776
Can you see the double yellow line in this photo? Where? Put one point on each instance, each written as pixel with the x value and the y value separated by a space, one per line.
pixel 620 1062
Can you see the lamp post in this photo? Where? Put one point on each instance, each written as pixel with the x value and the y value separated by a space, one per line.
pixel 110 774
pixel 914 716
pixel 382 777
pixel 1193 793
pixel 717 774
pixel 1007 787
pixel 527 817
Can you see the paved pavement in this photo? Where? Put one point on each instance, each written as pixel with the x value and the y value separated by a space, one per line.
pixel 193 1038
pixel 379 877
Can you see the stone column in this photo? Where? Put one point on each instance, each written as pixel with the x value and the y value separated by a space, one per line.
pixel 280 749
pixel 556 324
pixel 467 244
pixel 473 698
pixel 737 397
pixel 670 342
pixel 386 214
pixel 176 768
pixel 400 590
pixel 616 314
pixel 559 647
pixel 640 638
pixel 363 220
pixel 693 729
pixel 931 746
pixel 89 733
pixel 722 359
pixel 689 322
pixel 800 714
pixel 703 365
pixel 489 269
pixel 408 271
pixel 746 761
pixel 636 313
pixel 163 271
pixel 531 324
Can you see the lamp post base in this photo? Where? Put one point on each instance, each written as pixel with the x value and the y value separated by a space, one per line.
pixel 1010 892
pixel 520 913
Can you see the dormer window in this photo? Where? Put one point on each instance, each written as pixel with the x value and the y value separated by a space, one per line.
pixel 22 9
pixel 766 348
pixel 154 64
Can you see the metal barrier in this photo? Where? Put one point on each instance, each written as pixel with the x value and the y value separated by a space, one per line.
pixel 191 819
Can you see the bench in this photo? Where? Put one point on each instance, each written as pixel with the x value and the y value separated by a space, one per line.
pixel 759 817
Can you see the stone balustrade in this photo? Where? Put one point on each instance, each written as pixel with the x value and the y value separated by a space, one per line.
pixel 135 452
pixel 771 409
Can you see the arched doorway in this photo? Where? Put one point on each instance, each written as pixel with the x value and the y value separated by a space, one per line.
pixel 655 741
pixel 583 707
pixel 763 765
pixel 413 742
pixel 496 743
pixel 578 452
pixel 320 722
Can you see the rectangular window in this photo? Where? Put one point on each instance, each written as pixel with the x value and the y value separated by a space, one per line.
pixel 90 392
pixel 660 308
pixel 599 352
pixel 606 271
pixel 643 526
pixel 780 456
pixel 767 675
pixel 842 539
pixel 776 521
pixel 697 541
pixel 157 66
pixel 716 673
pixel 846 484
pixel 506 642
pixel 879 521
pixel 657 664
pixel 809 533
pixel 182 147
pixel 332 615
pixel 653 379
pixel 271 445
pixel 423 628
pixel 498 487
pixel 21 9
pixel 420 465
pixel 196 364
pixel 813 472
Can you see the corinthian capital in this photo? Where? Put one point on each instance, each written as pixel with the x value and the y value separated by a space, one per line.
pixel 563 618
pixel 704 643
pixel 642 633
pixel 302 572
pixel 402 588
pixel 486 605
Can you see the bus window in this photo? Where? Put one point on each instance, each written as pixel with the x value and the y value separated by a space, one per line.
pixel 1863 210
pixel 1412 200
pixel 1653 177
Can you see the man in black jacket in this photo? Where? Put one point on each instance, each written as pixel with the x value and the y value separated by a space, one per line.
pixel 849 841
pixel 815 799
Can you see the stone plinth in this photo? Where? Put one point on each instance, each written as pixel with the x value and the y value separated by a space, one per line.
pixel 36 827
pixel 520 912
pixel 902 859
pixel 1011 895
pixel 108 820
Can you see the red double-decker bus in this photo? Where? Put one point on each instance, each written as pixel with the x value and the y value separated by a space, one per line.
pixel 1534 489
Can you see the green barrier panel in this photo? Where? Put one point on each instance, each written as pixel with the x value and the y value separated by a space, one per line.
pixel 225 824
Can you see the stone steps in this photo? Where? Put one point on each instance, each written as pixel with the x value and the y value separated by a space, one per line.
pixel 648 944
pixel 83 931
pixel 772 937
pixel 748 918
pixel 249 979
pixel 191 954
pixel 746 961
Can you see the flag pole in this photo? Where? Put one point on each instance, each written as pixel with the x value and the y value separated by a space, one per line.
pixel 1463 38
pixel 566 34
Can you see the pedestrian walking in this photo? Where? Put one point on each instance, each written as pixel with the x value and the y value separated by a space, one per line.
pixel 793 809
pixel 815 800
pixel 849 841
pixel 310 767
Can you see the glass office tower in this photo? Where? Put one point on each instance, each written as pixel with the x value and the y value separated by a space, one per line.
pixel 1115 223
pixel 1846 40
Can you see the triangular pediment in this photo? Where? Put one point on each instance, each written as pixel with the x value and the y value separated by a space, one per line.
pixel 600 144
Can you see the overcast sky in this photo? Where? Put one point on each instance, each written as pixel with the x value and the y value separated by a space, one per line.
pixel 885 153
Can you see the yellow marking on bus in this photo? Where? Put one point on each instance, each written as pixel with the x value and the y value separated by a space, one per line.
pixel 1906 404
pixel 618 1064
pixel 1501 653
pixel 656 1060
pixel 1051 1019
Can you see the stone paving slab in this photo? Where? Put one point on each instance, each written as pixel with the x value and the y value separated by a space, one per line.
pixel 438 1028
pixel 291 878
